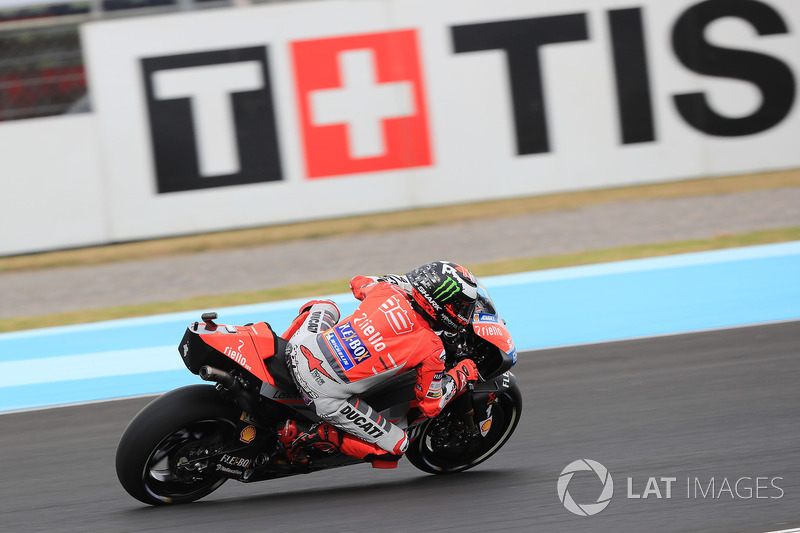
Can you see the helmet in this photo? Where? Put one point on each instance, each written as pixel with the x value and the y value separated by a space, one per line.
pixel 446 294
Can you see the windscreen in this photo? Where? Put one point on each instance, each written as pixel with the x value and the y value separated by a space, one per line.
pixel 485 303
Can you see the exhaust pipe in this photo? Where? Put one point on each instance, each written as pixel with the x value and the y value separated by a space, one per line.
pixel 243 397
pixel 209 373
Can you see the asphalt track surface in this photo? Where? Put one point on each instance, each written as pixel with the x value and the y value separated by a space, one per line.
pixel 719 404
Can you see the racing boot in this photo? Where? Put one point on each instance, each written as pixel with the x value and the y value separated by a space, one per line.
pixel 298 437
pixel 323 436
pixel 383 460
pixel 326 437
pixel 287 435
pixel 369 452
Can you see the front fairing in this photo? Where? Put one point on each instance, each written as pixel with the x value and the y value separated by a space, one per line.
pixel 491 329
pixel 488 325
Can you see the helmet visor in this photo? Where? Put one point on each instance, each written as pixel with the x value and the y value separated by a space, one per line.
pixel 461 311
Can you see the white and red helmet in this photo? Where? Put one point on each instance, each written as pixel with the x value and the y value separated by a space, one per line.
pixel 445 293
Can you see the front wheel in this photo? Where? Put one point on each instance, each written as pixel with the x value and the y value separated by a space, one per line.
pixel 161 457
pixel 446 445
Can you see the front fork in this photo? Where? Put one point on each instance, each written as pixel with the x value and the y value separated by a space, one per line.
pixel 476 401
pixel 468 409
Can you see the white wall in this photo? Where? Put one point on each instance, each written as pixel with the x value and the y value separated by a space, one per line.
pixel 53 195
pixel 230 118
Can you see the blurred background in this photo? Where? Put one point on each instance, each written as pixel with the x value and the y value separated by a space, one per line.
pixel 162 118
pixel 41 62
pixel 108 136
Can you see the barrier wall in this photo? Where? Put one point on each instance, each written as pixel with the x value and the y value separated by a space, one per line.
pixel 270 114
pixel 53 193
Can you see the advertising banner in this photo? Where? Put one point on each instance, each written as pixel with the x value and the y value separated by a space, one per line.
pixel 241 117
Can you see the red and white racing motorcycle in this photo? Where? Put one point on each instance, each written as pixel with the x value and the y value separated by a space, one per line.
pixel 188 442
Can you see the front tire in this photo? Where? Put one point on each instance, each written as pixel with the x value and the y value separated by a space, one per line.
pixel 181 424
pixel 444 447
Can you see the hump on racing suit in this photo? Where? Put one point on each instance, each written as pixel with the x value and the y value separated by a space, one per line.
pixel 414 338
pixel 334 361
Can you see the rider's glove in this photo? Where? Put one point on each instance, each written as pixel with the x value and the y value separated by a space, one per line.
pixel 463 373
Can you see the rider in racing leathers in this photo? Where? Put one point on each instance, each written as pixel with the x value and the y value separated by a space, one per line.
pixel 393 330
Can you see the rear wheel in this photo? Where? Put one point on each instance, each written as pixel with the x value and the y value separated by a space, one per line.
pixel 447 445
pixel 162 455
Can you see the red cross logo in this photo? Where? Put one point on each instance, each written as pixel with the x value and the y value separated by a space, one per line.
pixel 362 105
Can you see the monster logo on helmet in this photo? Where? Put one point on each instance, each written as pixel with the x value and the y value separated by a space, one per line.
pixel 445 293
pixel 446 290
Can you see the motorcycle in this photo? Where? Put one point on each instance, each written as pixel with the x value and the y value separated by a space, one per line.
pixel 188 442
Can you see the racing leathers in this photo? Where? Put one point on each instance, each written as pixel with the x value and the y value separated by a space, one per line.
pixel 332 362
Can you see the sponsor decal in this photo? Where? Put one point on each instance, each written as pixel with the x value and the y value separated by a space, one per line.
pixel 463 277
pixel 486 425
pixel 235 461
pixel 338 350
pixel 446 290
pixel 237 355
pixel 313 322
pixel 396 316
pixel 306 395
pixel 488 330
pixel 362 106
pixel 227 470
pixel 186 96
pixel 314 364
pixel 424 300
pixel 248 434
pixel 486 317
pixel 435 389
pixel 349 348
pixel 523 39
pixel 458 271
pixel 281 395
pixel 361 421
pixel 364 324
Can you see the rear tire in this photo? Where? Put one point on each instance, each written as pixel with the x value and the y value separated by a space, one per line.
pixel 429 455
pixel 180 423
